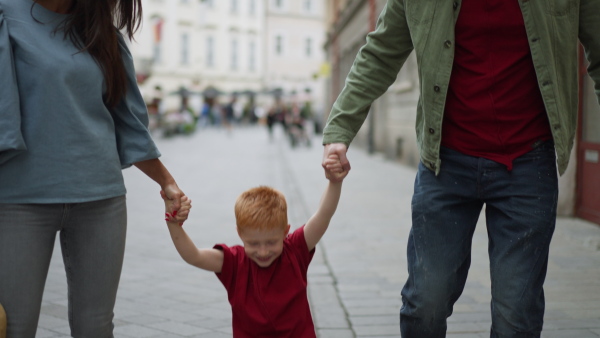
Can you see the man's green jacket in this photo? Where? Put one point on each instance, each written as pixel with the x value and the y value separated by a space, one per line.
pixel 427 27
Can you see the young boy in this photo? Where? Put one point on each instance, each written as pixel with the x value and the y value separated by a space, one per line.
pixel 266 278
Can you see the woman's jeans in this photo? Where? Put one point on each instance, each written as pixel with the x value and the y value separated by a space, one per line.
pixel 92 237
pixel 520 210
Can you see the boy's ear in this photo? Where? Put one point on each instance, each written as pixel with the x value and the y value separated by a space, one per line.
pixel 287 229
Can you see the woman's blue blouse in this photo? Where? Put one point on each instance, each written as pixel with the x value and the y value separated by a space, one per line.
pixel 59 142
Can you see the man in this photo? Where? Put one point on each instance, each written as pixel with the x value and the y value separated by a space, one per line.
pixel 495 120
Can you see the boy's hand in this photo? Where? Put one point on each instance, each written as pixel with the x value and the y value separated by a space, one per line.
pixel 338 149
pixel 176 216
pixel 334 166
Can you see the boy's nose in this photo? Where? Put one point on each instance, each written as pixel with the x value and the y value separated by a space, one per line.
pixel 263 251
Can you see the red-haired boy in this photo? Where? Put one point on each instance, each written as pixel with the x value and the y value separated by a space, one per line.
pixel 266 278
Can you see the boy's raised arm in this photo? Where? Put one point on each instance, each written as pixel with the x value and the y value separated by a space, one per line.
pixel 317 225
pixel 207 259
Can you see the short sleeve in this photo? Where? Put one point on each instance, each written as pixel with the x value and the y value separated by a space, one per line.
pixel 11 138
pixel 134 142
pixel 231 257
pixel 297 244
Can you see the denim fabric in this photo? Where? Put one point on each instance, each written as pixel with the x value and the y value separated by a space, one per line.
pixel 520 209
pixel 92 237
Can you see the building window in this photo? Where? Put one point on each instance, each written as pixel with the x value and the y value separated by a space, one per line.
pixel 208 3
pixel 279 45
pixel 157 39
pixel 252 7
pixel 279 4
pixel 210 52
pixel 185 49
pixel 252 56
pixel 308 47
pixel 308 5
pixel 234 54
pixel 234 6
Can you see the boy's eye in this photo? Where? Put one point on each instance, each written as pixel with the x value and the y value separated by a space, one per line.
pixel 271 242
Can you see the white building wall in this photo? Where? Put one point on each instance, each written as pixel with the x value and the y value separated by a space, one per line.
pixel 183 53
pixel 215 29
pixel 294 66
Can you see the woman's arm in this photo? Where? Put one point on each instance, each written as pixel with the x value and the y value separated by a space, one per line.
pixel 158 173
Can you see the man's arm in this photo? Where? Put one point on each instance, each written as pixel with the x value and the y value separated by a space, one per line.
pixel 375 68
pixel 317 225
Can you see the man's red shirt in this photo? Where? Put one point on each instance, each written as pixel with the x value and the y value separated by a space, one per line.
pixel 271 301
pixel 494 108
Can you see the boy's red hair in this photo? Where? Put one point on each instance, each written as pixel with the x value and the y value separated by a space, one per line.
pixel 261 208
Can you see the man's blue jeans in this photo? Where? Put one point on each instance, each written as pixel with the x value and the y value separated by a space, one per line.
pixel 92 237
pixel 520 210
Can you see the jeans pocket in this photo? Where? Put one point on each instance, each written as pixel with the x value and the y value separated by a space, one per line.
pixel 545 150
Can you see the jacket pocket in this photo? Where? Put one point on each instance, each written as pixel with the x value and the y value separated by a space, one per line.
pixel 419 11
pixel 562 7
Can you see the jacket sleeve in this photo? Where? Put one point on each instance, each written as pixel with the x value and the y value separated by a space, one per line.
pixel 589 35
pixel 375 68
pixel 11 138
pixel 134 142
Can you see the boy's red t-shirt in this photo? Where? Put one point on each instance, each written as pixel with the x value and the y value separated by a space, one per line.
pixel 272 301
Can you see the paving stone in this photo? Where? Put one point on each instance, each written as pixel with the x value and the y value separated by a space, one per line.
pixel 569 334
pixel 43 333
pixel 335 333
pixel 134 330
pixel 378 330
pixel 179 328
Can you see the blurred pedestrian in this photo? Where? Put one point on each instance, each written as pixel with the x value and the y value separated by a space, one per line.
pixel 497 112
pixel 229 113
pixel 71 118
pixel 155 108
pixel 276 114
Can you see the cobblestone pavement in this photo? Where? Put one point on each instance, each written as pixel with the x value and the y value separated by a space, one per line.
pixel 360 266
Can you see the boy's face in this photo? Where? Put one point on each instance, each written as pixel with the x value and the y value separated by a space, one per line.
pixel 263 246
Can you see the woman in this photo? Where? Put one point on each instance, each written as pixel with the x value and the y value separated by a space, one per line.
pixel 71 117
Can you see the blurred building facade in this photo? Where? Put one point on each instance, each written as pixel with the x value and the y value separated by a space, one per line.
pixel 232 46
pixel 390 126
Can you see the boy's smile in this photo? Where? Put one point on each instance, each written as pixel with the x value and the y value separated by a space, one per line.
pixel 263 246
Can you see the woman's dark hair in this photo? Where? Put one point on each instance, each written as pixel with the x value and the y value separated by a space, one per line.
pixel 92 27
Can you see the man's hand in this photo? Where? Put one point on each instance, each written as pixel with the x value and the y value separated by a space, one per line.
pixel 340 150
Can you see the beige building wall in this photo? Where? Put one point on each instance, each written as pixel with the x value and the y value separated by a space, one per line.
pixel 294 56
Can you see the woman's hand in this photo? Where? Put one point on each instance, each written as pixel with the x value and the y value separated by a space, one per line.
pixel 173 193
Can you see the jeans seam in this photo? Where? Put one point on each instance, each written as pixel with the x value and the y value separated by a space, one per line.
pixel 67 261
